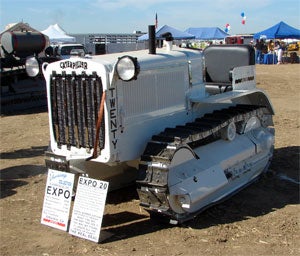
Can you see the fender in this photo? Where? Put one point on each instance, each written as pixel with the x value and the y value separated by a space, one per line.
pixel 254 97
pixel 258 97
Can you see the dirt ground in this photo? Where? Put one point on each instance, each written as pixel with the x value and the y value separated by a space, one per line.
pixel 263 219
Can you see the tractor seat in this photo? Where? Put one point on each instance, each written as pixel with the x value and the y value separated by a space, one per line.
pixel 219 63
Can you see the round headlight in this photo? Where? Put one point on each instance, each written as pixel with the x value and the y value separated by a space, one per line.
pixel 32 67
pixel 127 68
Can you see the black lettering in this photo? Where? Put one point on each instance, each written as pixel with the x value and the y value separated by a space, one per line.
pixel 112 102
pixel 73 65
pixel 112 92
pixel 54 191
pixel 49 190
pixel 103 185
pixel 92 183
pixel 113 124
pixel 60 192
pixel 112 113
pixel 67 194
pixel 114 142
pixel 114 133
pixel 85 182
pixel 113 116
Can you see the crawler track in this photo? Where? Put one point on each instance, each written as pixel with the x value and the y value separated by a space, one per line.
pixel 157 157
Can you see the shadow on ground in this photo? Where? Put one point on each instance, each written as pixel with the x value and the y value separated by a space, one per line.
pixel 14 177
pixel 24 153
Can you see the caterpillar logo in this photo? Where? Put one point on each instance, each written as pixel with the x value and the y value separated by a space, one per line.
pixel 73 64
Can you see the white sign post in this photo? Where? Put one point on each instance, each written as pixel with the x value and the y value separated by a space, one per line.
pixel 88 208
pixel 57 200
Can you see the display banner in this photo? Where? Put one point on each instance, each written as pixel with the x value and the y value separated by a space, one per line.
pixel 57 199
pixel 88 208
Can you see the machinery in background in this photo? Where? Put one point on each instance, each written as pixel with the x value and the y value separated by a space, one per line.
pixel 16 91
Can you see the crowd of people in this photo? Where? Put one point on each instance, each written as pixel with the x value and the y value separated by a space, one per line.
pixel 262 47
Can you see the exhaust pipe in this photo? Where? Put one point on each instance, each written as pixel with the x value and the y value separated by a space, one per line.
pixel 152 39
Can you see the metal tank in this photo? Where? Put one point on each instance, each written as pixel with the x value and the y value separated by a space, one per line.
pixel 23 44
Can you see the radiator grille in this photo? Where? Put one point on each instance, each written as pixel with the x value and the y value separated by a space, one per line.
pixel 75 101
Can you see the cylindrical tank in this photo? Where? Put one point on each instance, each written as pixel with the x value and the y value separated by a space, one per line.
pixel 23 44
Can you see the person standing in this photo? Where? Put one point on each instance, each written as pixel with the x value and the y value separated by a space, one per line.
pixel 270 46
pixel 279 49
pixel 258 47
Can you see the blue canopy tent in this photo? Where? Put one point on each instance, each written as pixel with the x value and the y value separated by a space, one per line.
pixel 207 33
pixel 279 31
pixel 176 34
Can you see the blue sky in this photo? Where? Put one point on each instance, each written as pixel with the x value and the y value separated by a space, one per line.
pixel 126 16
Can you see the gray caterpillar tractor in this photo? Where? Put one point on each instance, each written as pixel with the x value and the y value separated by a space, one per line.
pixel 189 127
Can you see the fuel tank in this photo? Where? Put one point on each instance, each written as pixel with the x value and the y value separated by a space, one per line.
pixel 23 44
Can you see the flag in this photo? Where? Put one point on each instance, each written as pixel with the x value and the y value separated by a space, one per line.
pixel 156 21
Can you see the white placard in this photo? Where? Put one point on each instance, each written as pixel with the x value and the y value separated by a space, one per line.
pixel 57 200
pixel 88 208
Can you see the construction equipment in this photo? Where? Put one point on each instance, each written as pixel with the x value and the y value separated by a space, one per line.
pixel 18 45
pixel 189 127
pixel 17 91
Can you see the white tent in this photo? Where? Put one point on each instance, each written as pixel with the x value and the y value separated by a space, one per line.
pixel 59 29
pixel 57 35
